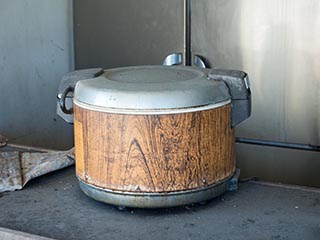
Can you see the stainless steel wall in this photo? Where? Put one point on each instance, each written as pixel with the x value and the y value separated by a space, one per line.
pixel 277 43
pixel 113 33
pixel 36 50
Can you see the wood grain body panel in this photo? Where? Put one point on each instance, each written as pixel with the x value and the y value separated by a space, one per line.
pixel 154 153
pixel 78 141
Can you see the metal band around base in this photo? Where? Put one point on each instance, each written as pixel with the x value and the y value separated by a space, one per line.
pixel 154 200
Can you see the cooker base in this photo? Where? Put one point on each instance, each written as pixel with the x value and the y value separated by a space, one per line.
pixel 159 200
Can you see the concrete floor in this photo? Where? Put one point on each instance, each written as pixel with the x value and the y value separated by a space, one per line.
pixel 54 206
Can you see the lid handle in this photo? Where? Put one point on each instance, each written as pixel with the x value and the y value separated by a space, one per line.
pixel 62 100
pixel 198 61
pixel 173 59
pixel 239 90
pixel 67 86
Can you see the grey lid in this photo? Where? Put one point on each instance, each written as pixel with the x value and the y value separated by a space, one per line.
pixel 151 88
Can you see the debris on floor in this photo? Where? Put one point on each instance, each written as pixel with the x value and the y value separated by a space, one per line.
pixel 255 211
pixel 8 234
pixel 20 166
pixel 3 141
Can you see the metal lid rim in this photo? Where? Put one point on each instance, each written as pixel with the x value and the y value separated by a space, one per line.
pixel 151 111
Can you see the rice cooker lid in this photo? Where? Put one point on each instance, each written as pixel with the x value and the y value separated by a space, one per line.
pixel 151 89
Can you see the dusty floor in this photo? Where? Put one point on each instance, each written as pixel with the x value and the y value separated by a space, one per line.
pixel 54 206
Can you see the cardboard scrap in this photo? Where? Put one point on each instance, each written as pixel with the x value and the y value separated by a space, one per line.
pixel 10 171
pixel 37 164
pixel 17 168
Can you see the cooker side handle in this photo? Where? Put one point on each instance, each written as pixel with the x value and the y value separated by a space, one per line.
pixel 66 89
pixel 239 89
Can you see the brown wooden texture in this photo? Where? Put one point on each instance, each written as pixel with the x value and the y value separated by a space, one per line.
pixel 154 153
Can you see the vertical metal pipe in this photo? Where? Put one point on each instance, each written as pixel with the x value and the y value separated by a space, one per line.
pixel 187 33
